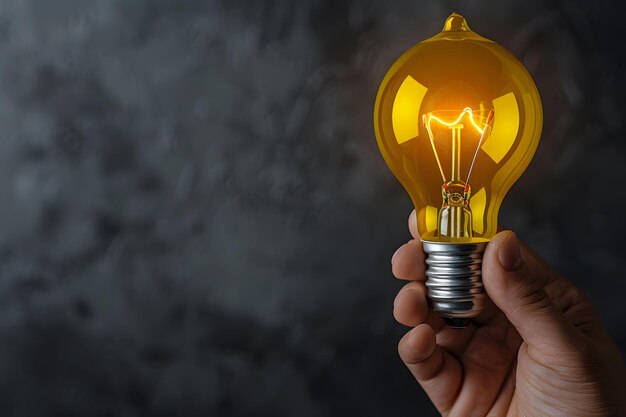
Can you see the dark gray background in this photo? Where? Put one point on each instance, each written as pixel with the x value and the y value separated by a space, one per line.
pixel 196 220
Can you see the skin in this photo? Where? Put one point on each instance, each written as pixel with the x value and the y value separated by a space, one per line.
pixel 538 349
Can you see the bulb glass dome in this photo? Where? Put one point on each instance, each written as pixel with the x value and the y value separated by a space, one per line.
pixel 457 119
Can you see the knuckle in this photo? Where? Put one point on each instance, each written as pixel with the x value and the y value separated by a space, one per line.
pixel 533 295
pixel 537 298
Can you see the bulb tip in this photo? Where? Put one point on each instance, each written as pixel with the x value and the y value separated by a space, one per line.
pixel 456 23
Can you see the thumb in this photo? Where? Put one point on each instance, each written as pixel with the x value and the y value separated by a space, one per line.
pixel 521 295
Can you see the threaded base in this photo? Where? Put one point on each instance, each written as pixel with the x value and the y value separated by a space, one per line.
pixel 454 283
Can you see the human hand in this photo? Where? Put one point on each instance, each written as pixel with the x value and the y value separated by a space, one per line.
pixel 538 348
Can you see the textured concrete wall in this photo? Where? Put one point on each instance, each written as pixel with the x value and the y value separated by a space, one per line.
pixel 195 217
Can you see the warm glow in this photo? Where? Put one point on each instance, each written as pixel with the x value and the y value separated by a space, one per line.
pixel 455 127
pixel 467 110
pixel 457 119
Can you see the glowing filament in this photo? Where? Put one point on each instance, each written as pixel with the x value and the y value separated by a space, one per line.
pixel 466 110
pixel 456 127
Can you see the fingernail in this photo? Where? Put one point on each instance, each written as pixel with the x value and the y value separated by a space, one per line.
pixel 509 254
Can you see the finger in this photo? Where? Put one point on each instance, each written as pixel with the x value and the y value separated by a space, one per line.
pixel 574 305
pixel 552 281
pixel 410 306
pixel 521 294
pixel 408 262
pixel 534 262
pixel 413 225
pixel 411 309
pixel 438 372
pixel 503 400
pixel 562 292
pixel 486 362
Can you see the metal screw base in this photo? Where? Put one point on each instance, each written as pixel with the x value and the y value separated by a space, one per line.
pixel 454 283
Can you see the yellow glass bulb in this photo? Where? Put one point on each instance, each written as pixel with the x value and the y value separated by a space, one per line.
pixel 457 119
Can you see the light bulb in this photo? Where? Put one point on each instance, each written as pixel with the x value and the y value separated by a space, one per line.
pixel 457 119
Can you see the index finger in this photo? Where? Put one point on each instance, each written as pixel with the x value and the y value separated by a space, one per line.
pixel 413 225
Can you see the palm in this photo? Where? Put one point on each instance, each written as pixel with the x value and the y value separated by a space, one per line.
pixel 479 367
pixel 487 359
pixel 487 369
